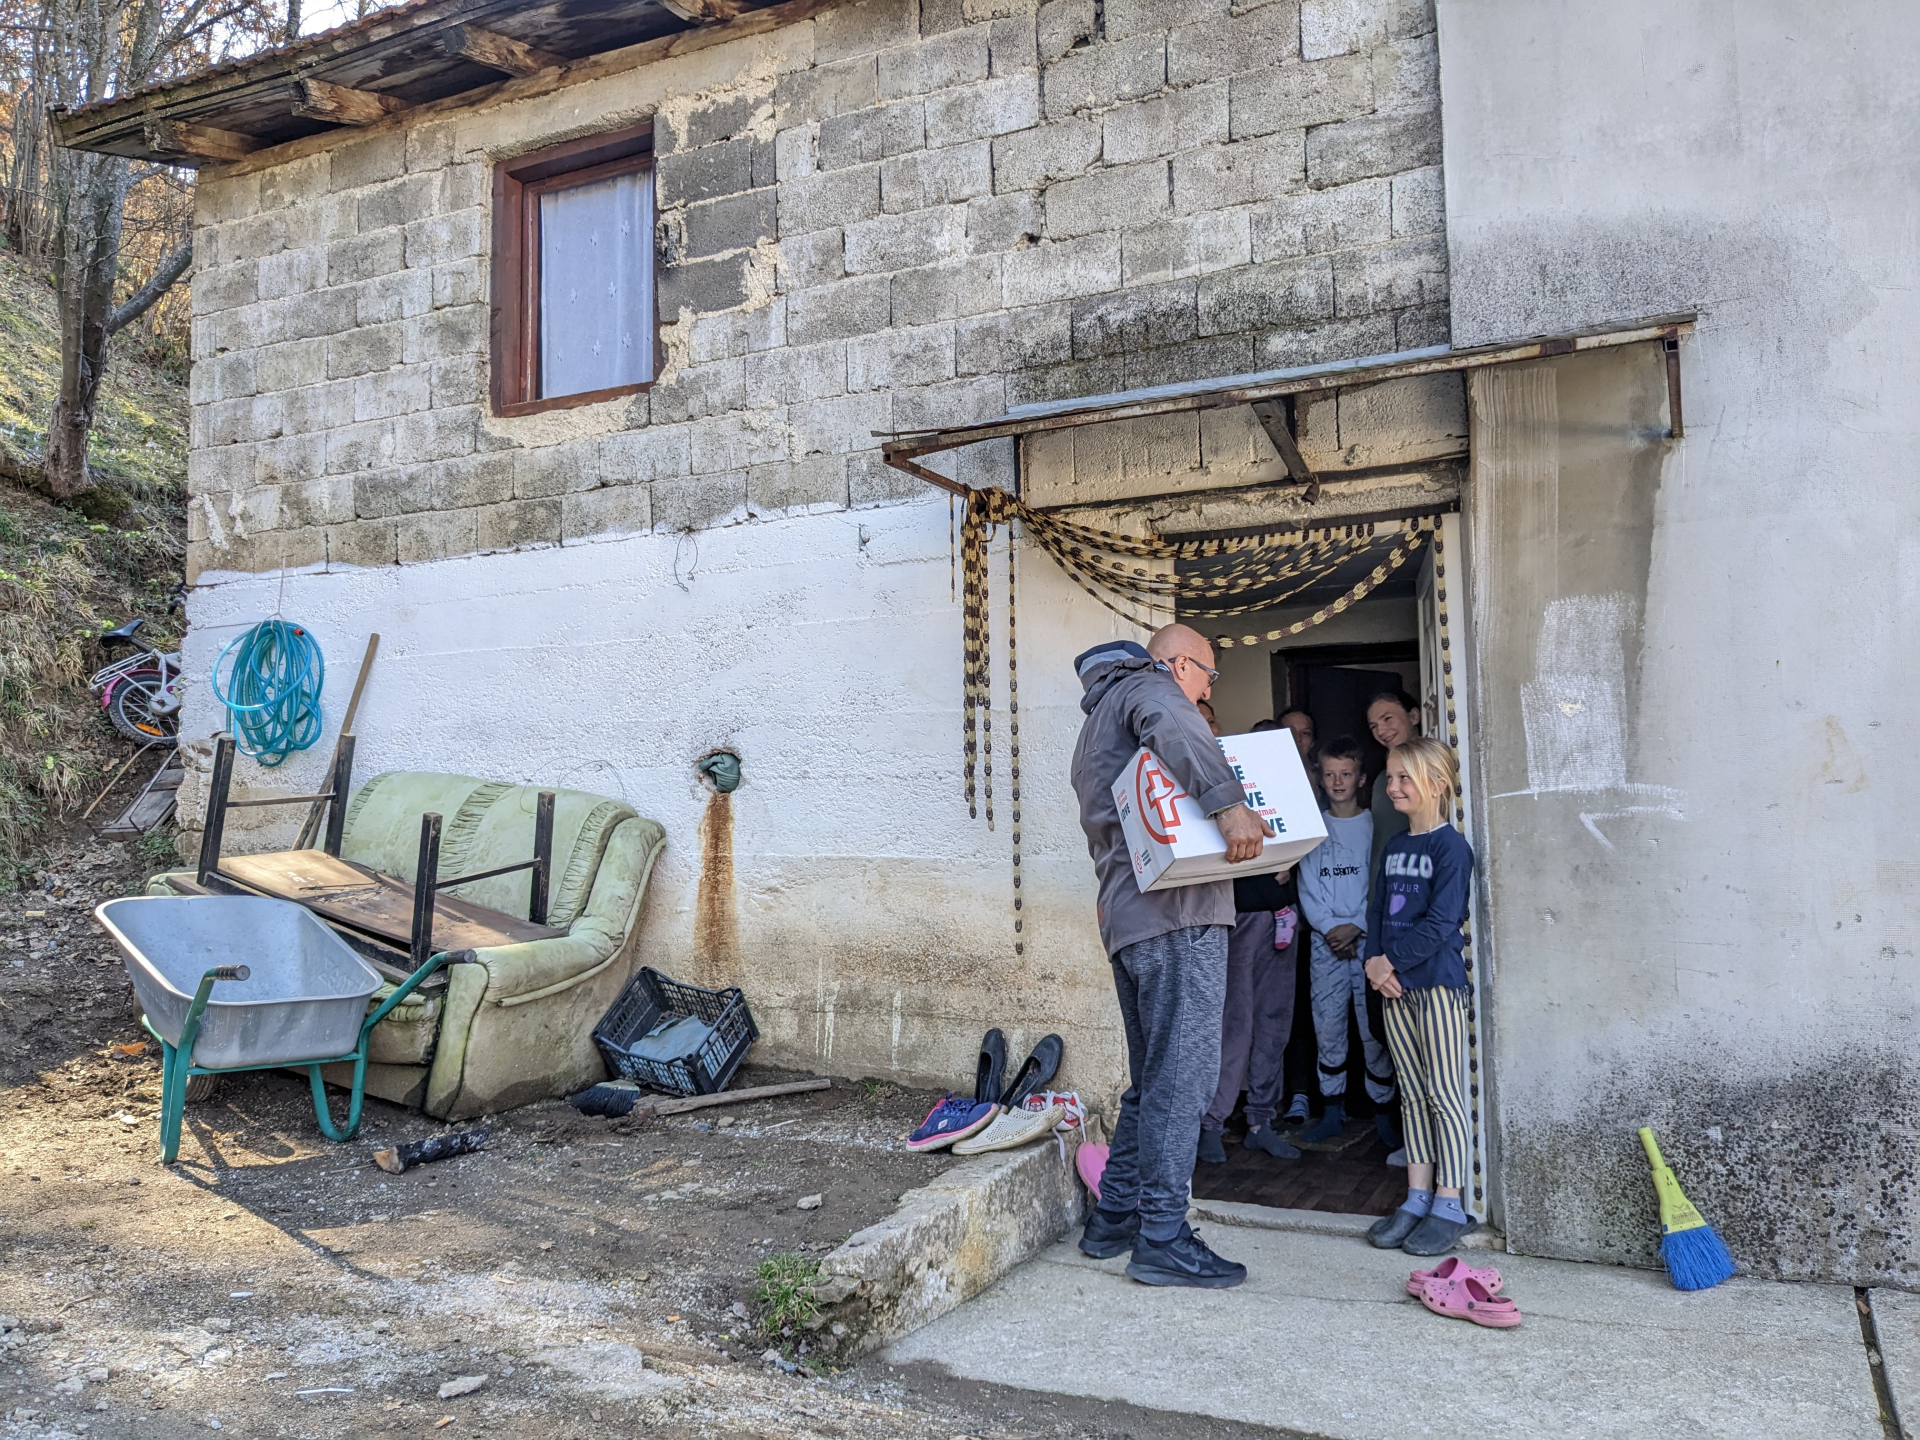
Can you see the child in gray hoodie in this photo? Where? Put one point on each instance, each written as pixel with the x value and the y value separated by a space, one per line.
pixel 1333 896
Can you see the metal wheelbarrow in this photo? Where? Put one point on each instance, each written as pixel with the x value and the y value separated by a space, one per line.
pixel 304 1004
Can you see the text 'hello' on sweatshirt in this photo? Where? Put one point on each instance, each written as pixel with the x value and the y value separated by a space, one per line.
pixel 1418 905
pixel 1333 875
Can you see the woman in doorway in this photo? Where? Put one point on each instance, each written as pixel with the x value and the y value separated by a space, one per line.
pixel 1394 718
pixel 1414 919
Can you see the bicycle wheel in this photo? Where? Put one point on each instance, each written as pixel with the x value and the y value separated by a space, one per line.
pixel 132 710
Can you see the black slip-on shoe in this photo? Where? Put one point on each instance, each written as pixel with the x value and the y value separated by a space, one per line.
pixel 1183 1260
pixel 1436 1236
pixel 1267 1140
pixel 990 1073
pixel 612 1099
pixel 1213 1148
pixel 1040 1068
pixel 1389 1231
pixel 1105 1238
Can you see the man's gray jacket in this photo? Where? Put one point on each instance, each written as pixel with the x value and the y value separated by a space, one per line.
pixel 1131 700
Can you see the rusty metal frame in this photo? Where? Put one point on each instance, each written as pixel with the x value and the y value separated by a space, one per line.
pixel 902 451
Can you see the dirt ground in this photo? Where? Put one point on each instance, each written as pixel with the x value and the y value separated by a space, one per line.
pixel 600 1274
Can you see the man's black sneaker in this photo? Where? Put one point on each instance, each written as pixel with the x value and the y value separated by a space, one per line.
pixel 1104 1238
pixel 1213 1148
pixel 1183 1260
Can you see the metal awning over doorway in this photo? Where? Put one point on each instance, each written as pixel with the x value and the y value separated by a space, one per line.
pixel 1271 394
pixel 1221 574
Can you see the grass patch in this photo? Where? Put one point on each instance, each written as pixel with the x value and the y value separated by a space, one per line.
pixel 785 1292
pixel 157 848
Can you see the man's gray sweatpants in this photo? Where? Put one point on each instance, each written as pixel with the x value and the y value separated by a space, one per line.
pixel 1171 990
pixel 1256 1022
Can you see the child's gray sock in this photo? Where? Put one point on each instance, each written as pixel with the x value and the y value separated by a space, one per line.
pixel 1448 1207
pixel 1418 1202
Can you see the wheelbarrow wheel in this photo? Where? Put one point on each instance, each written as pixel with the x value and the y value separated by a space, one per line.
pixel 202 1088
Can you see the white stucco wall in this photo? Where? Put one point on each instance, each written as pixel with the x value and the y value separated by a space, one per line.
pixel 875 918
pixel 1739 968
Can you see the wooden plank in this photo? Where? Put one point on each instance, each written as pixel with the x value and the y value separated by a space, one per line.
pixel 497 51
pixel 110 127
pixel 198 142
pixel 311 826
pixel 344 893
pixel 708 12
pixel 731 1097
pixel 323 100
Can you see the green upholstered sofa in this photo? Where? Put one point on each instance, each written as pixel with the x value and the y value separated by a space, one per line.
pixel 515 1026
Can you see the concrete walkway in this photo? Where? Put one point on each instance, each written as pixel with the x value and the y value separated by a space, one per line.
pixel 1323 1339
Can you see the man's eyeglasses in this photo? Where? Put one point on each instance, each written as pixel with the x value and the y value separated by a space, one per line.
pixel 1212 674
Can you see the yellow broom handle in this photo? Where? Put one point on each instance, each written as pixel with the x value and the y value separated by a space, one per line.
pixel 1653 1150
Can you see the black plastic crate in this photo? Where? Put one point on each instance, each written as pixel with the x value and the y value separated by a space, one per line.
pixel 651 997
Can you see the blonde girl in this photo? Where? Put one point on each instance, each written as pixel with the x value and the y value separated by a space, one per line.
pixel 1414 921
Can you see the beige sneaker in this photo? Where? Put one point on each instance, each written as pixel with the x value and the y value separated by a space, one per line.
pixel 1011 1130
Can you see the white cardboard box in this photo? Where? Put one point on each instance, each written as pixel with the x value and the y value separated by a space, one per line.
pixel 1171 843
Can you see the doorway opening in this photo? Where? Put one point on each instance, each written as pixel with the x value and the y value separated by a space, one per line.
pixel 1387 641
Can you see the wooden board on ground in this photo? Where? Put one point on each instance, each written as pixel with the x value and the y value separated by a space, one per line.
pixel 379 905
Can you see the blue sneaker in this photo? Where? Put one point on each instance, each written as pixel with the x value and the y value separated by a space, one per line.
pixel 954 1118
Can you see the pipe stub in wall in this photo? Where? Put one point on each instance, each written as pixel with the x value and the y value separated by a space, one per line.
pixel 722 768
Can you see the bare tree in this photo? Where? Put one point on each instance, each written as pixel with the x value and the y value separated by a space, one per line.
pixel 70 208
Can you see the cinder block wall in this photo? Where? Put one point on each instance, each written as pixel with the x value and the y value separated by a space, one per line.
pixel 900 213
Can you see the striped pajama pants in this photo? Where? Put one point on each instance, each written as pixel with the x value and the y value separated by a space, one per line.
pixel 1427 1036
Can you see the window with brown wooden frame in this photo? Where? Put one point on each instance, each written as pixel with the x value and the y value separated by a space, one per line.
pixel 573 314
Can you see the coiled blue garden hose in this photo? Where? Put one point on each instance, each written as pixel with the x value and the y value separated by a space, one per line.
pixel 273 690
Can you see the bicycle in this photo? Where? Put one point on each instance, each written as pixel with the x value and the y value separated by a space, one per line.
pixel 139 692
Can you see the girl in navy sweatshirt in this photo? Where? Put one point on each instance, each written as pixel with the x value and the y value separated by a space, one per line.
pixel 1413 929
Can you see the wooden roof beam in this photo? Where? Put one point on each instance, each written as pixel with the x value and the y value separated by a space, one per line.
pixel 708 12
pixel 323 100
pixel 1276 417
pixel 197 142
pixel 497 51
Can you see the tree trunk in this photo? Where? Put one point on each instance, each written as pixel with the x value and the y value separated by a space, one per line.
pixel 85 261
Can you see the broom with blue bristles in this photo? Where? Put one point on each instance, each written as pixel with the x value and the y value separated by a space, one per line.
pixel 1695 1257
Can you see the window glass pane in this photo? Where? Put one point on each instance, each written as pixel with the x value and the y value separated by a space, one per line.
pixel 596 285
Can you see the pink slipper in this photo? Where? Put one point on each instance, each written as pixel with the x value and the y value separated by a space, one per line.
pixel 1448 1268
pixel 1464 1298
pixel 1091 1162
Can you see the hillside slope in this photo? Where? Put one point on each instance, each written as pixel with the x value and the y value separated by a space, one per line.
pixel 64 576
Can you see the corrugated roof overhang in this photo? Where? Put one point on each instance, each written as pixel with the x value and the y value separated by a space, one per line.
pixel 903 450
pixel 397 64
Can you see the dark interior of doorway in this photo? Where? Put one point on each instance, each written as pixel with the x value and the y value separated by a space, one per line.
pixel 1333 684
pixel 1354 1181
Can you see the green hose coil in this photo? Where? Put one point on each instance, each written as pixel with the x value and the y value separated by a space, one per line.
pixel 273 690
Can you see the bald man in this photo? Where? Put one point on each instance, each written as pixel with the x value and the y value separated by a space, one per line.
pixel 1168 948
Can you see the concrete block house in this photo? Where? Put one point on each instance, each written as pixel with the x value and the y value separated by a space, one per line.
pixel 630 370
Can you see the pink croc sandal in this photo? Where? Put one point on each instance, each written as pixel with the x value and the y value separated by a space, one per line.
pixel 1453 1266
pixel 1464 1298
pixel 1091 1161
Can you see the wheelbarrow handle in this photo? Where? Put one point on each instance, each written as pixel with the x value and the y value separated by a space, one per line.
pixel 407 986
pixel 190 1030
